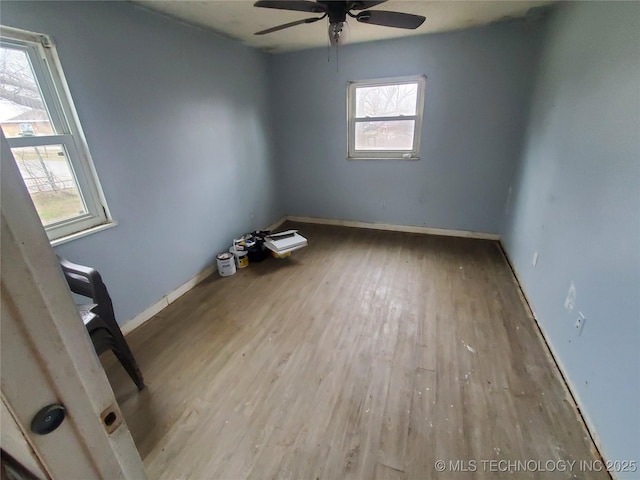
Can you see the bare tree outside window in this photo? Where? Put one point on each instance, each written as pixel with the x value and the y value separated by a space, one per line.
pixel 383 117
pixel 17 83
pixel 386 101
pixel 39 121
pixel 45 169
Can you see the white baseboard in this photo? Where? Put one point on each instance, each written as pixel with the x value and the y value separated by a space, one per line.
pixel 143 316
pixel 165 301
pixel 573 393
pixel 173 295
pixel 185 287
pixel 275 225
pixel 396 228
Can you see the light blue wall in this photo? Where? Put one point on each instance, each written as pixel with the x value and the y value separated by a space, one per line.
pixel 180 125
pixel 478 87
pixel 577 203
pixel 177 123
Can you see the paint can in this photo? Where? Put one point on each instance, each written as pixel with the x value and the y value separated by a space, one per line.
pixel 226 264
pixel 241 256
pixel 244 243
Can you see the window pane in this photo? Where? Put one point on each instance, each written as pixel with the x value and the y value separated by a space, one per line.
pixel 51 182
pixel 22 110
pixel 386 100
pixel 391 135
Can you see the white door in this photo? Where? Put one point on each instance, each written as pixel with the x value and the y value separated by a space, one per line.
pixel 47 357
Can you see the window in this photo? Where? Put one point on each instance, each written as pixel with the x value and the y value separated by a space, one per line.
pixel 385 118
pixel 40 123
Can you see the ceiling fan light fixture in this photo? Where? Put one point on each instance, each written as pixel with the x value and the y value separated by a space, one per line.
pixel 338 33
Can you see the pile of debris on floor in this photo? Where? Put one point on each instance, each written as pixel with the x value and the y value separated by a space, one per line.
pixel 257 246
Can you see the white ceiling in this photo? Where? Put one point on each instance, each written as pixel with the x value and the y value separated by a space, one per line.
pixel 239 19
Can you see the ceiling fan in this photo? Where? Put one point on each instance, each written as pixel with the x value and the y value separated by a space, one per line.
pixel 338 12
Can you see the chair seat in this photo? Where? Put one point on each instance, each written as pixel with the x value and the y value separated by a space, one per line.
pixel 85 311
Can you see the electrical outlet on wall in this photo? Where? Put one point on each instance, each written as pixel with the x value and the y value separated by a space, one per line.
pixel 383 203
pixel 580 322
pixel 534 261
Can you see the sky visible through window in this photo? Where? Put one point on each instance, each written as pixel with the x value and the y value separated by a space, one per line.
pixel 20 97
pixel 45 169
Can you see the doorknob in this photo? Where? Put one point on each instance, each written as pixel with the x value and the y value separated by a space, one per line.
pixel 48 419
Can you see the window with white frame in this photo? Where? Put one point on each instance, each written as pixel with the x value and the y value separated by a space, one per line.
pixel 385 118
pixel 40 124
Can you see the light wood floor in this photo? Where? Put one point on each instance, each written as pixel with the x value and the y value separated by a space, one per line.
pixel 366 355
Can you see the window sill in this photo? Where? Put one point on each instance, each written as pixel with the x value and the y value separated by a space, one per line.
pixel 385 158
pixel 83 233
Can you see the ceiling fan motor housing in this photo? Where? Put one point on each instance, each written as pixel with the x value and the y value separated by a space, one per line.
pixel 337 11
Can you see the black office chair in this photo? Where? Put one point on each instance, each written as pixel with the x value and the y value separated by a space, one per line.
pixel 99 318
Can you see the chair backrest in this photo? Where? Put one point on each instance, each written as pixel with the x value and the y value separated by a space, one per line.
pixel 86 281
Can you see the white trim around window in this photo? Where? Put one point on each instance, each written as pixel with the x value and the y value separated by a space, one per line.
pixel 411 115
pixel 65 137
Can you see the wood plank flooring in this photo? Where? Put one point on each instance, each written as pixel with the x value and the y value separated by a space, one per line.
pixel 368 354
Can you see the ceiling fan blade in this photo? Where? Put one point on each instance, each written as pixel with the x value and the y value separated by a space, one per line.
pixel 391 19
pixel 290 24
pixel 364 4
pixel 295 5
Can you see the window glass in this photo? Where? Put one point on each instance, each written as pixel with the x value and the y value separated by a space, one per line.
pixel 38 119
pixel 392 135
pixel 23 112
pixel 386 100
pixel 50 181
pixel 385 118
